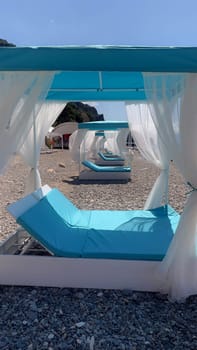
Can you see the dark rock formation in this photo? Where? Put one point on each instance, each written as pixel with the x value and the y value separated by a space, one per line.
pixel 78 112
pixel 5 43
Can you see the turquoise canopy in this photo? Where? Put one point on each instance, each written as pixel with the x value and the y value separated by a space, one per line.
pixel 100 72
pixel 85 86
pixel 99 58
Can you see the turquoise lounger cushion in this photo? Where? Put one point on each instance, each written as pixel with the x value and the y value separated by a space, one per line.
pixel 111 157
pixel 65 208
pixel 100 168
pixel 70 232
pixel 146 236
pixel 53 222
pixel 124 220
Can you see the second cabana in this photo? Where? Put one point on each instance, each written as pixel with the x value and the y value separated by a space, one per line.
pixel 101 150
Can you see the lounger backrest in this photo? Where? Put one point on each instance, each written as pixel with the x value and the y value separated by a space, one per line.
pixel 56 200
pixel 53 222
pixel 110 157
pixel 27 202
pixel 64 208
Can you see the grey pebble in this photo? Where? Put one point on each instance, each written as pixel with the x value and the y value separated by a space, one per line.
pixel 47 318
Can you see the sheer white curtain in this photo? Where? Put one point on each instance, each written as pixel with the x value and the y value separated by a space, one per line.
pixel 122 141
pixel 173 103
pixel 100 141
pixel 94 147
pixel 111 141
pixel 30 149
pixel 152 148
pixel 75 141
pixel 87 149
pixel 21 94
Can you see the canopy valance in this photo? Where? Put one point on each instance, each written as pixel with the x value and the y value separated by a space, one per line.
pixel 99 58
pixel 98 72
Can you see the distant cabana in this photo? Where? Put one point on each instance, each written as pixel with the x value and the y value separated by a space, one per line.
pixel 101 161
pixel 59 135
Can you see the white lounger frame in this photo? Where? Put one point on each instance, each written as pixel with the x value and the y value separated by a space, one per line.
pixel 109 176
pixel 50 271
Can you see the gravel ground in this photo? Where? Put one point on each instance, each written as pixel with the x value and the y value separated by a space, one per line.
pixel 54 318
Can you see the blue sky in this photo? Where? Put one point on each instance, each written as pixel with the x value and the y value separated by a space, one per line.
pixel 107 22
pixel 100 22
pixel 114 110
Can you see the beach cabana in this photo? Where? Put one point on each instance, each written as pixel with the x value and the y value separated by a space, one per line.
pixel 159 86
pixel 62 131
pixel 94 165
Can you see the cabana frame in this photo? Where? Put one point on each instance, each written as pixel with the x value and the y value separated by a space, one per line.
pixel 111 73
pixel 97 170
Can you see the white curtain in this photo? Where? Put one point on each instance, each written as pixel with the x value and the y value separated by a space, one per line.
pixel 75 141
pixel 152 148
pixel 122 142
pixel 111 141
pixel 21 94
pixel 94 146
pixel 30 150
pixel 99 146
pixel 101 143
pixel 87 149
pixel 173 103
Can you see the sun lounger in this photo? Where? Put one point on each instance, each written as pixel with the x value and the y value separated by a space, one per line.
pixel 110 157
pixel 66 231
pixel 99 168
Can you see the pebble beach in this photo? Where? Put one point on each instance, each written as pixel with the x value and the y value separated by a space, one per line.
pixel 33 318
